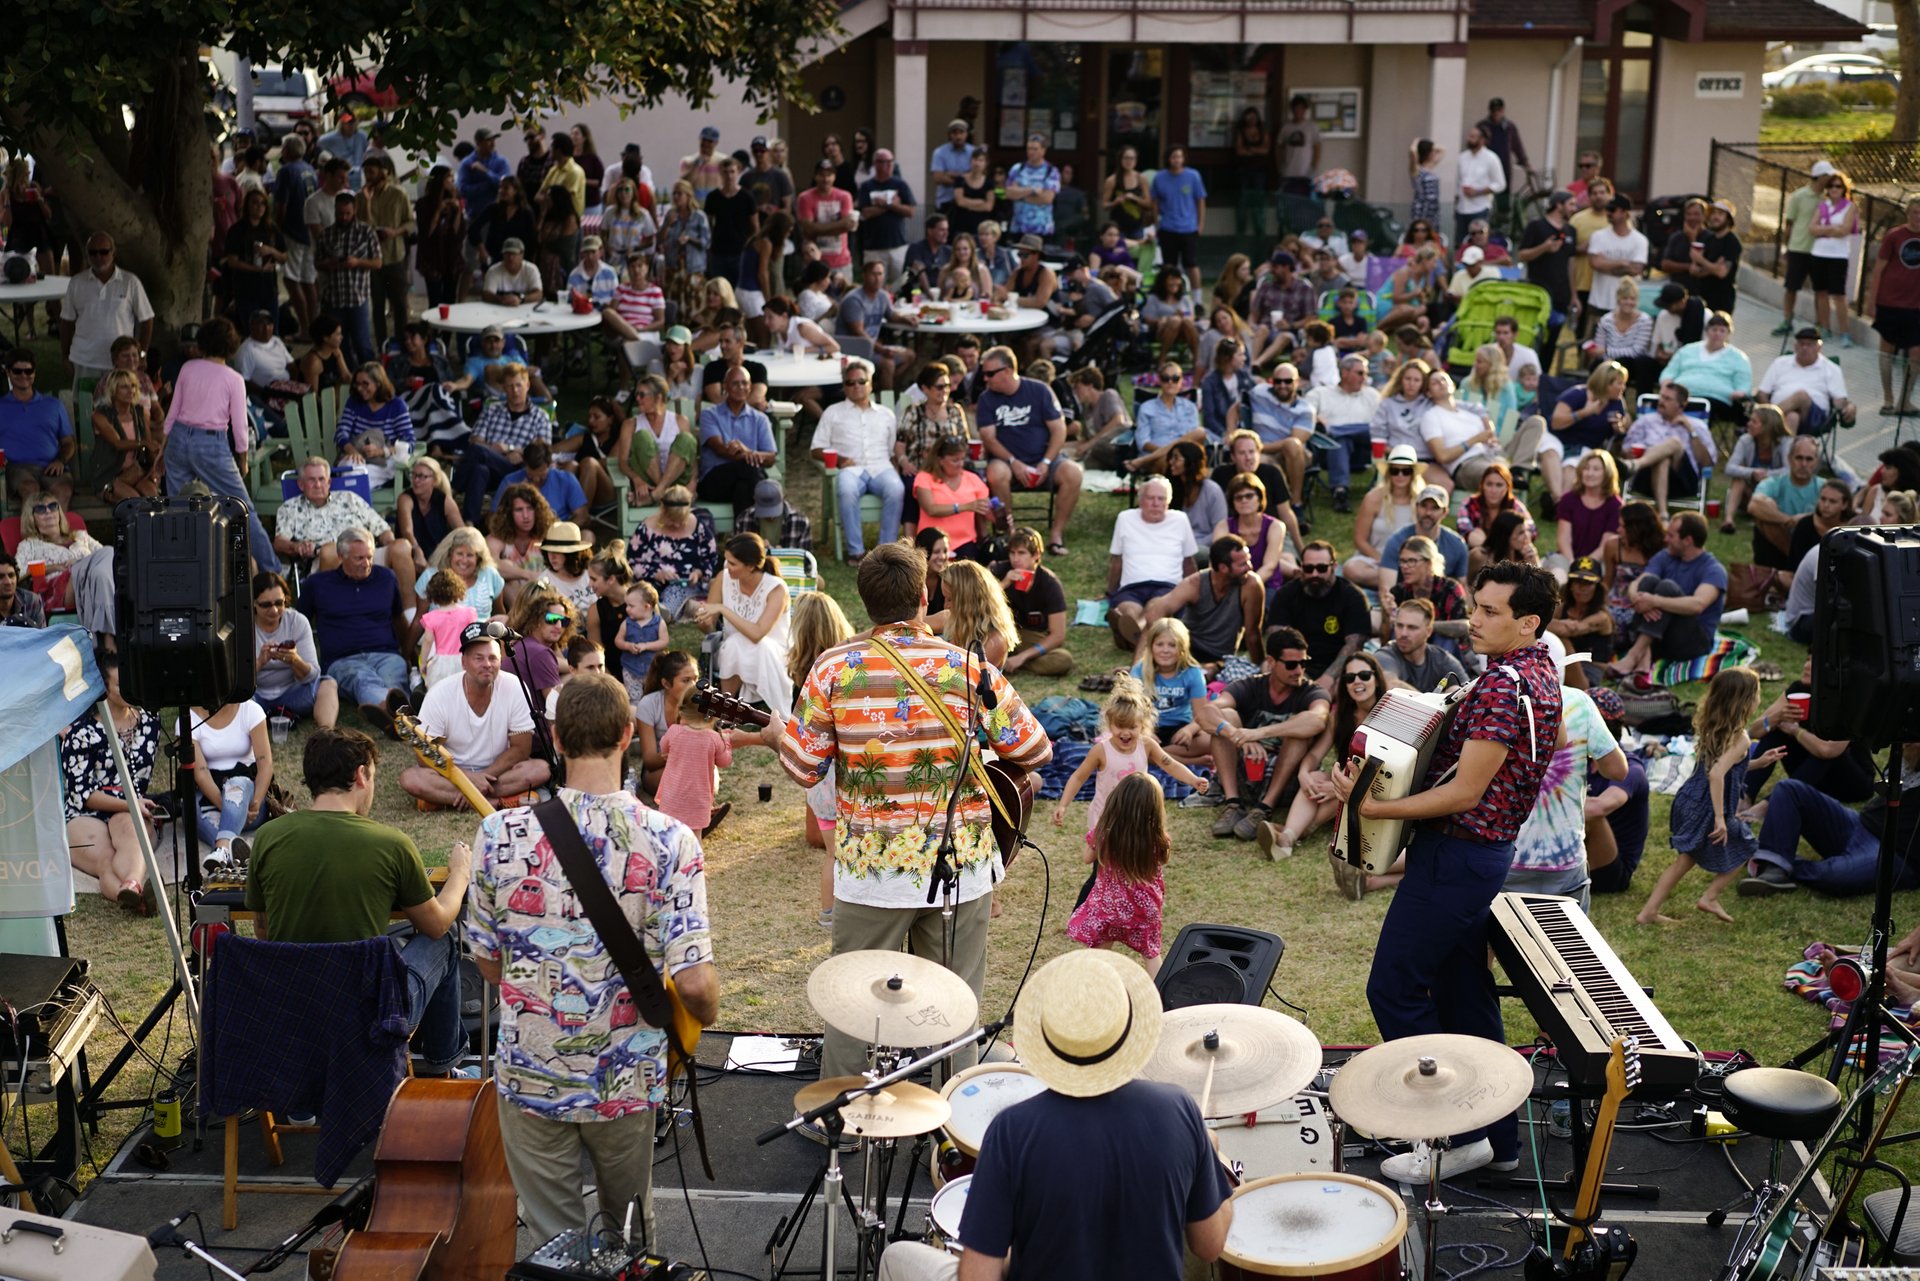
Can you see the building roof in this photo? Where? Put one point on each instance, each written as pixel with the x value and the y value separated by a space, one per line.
pixel 1742 20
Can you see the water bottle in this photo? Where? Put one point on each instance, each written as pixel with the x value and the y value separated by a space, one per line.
pixel 631 783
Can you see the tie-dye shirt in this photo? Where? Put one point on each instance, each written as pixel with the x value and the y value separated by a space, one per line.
pixel 1554 837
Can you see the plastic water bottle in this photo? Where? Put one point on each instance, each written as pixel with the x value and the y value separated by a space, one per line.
pixel 631 783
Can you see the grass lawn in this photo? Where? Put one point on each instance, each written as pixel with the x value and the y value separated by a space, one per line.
pixel 1718 984
pixel 1841 126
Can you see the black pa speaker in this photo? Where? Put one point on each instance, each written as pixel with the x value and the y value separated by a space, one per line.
pixel 1218 965
pixel 183 600
pixel 1866 636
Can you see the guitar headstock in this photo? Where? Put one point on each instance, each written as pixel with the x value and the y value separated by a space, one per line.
pixel 1623 1067
pixel 724 707
pixel 431 751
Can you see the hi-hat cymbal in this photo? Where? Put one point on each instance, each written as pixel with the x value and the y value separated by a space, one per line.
pixel 1263 1056
pixel 892 998
pixel 1428 1087
pixel 900 1111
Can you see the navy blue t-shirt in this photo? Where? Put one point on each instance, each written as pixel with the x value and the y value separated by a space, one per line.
pixel 1592 432
pixel 1061 1183
pixel 351 615
pixel 1020 420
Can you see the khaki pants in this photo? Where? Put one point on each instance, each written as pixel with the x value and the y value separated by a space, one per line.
pixel 1055 662
pixel 857 928
pixel 912 1261
pixel 543 1156
pixel 1523 450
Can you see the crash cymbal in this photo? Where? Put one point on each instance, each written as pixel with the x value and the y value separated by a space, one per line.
pixel 1427 1087
pixel 900 1111
pixel 892 998
pixel 1261 1057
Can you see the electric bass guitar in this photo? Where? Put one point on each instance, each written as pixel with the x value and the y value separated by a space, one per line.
pixel 1582 1259
pixel 1012 786
pixel 432 753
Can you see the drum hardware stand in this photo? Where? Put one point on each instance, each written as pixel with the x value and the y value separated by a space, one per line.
pixel 830 1182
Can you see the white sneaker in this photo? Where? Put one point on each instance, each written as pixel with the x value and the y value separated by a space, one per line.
pixel 1412 1167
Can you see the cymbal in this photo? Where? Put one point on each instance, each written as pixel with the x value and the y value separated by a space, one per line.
pixel 1264 1057
pixel 900 1111
pixel 1472 1081
pixel 892 998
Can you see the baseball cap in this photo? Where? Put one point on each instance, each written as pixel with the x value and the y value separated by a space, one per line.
pixel 883 154
pixel 493 331
pixel 484 134
pixel 1559 198
pixel 1608 702
pixel 823 163
pixel 1584 568
pixel 1358 233
pixel 1433 494
pixel 1471 254
pixel 1822 168
pixel 759 143
pixel 1618 203
pixel 513 245
pixel 957 123
pixel 709 134
pixel 1806 333
pixel 680 334
pixel 474 634
pixel 1402 454
pixel 768 500
pixel 590 242
pixel 1670 293
pixel 1281 258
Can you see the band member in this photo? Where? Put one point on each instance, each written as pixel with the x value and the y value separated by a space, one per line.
pixel 1059 1184
pixel 897 762
pixel 1430 969
pixel 576 1070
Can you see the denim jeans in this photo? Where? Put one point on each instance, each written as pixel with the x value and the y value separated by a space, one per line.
pixel 1674 635
pixel 196 453
pixel 236 794
pixel 849 483
pixel 364 679
pixel 294 701
pixel 356 332
pixel 1358 455
pixel 475 477
pixel 1849 853
pixel 433 997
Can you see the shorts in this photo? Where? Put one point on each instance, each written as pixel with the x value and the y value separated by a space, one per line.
pixel 1813 420
pixel 300 269
pixel 1683 480
pixel 1137 593
pixel 1829 275
pixel 1019 484
pixel 1900 326
pixel 1799 268
pixel 1179 250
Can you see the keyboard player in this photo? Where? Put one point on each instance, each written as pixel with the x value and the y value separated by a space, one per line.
pixel 1430 969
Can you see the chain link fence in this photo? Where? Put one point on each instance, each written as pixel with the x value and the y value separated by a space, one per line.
pixel 1759 177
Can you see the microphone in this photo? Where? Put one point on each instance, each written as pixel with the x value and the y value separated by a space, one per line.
pixel 501 632
pixel 167 1233
pixel 984 686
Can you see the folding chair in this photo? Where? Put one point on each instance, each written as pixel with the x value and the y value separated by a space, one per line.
pixel 1697 408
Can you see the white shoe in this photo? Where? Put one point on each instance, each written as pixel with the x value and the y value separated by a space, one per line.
pixel 1412 1167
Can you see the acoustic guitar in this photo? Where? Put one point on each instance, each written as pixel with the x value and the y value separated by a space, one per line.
pixel 1012 785
pixel 432 753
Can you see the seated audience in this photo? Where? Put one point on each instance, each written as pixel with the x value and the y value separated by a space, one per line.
pixel 306 527
pixel 18 608
pixel 977 612
pixel 1758 452
pixel 1840 768
pixel 1419 578
pixel 1387 508
pixel 1492 495
pixel 286 667
pixel 1589 512
pixel 1550 852
pixel 1461 441
pixel 1164 421
pixel 1810 390
pixel 232 771
pixel 424 509
pixel 1847 842
pixel 747 604
pixel 860 434
pixel 1429 522
pixel 1676 604
pixel 101 836
pixel 505 428
pixel 375 428
pixel 1781 499
pixel 1023 431
pixel 1262 728
pixel 47 536
pixel 1714 368
pixel 951 497
pixel 1584 624
pixel 1039 606
pixel 1360 686
pixel 1345 411
pixel 558 486
pixel 1671 451
pixel 1151 550
pixel 487 724
pixel 1618 810
pixel 359 626
pixel 736 448
pixel 1221 605
pixel 1195 491
pixel 1330 611
pixel 1264 535
pixel 1411 660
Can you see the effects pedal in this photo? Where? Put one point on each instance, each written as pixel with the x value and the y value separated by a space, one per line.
pixel 575 1255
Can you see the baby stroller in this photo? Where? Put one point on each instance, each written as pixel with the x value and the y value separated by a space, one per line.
pixel 1487 301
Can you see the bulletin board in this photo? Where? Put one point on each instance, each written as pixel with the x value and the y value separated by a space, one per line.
pixel 1337 112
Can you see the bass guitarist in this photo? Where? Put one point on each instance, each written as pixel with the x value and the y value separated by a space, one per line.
pixel 577 1069
pixel 895 761
pixel 1430 968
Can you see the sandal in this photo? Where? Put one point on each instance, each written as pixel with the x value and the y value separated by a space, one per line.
pixel 1096 684
pixel 1056 548
pixel 1768 670
pixel 1726 527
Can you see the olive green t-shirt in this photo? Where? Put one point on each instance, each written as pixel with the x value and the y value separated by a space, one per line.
pixel 327 877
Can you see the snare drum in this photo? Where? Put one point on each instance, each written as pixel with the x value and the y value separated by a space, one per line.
pixel 1336 1227
pixel 943 1216
pixel 976 1096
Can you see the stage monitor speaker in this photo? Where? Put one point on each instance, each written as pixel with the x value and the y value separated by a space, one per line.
pixel 1218 965
pixel 183 597
pixel 1866 635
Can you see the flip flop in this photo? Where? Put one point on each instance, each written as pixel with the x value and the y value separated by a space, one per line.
pixel 1056 549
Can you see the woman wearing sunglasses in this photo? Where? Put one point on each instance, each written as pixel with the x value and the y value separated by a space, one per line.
pixel 49 538
pixel 1359 687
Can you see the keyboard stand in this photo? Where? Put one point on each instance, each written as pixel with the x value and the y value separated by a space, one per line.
pixel 1569 1186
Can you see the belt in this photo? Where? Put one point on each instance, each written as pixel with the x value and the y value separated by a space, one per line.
pixel 1457 830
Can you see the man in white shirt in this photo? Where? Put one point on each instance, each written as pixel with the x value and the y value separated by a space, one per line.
pixel 103 303
pixel 1346 411
pixel 487 725
pixel 1473 266
pixel 1481 178
pixel 1809 389
pixel 1353 263
pixel 1151 551
pixel 513 281
pixel 1323 236
pixel 263 359
pixel 1616 251
pixel 1505 333
pixel 860 434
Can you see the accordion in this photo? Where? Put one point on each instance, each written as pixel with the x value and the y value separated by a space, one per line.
pixel 1391 750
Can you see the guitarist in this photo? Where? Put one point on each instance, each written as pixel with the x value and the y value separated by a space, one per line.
pixel 330 874
pixel 894 761
pixel 578 1072
pixel 1430 969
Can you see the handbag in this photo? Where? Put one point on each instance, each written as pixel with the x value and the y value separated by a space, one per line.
pixel 629 955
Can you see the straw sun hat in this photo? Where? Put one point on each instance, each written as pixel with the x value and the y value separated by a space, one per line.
pixel 1087 1022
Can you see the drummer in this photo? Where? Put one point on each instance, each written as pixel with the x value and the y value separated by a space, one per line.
pixel 895 753
pixel 1100 1176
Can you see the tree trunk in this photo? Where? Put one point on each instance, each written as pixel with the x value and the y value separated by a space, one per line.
pixel 1906 103
pixel 159 210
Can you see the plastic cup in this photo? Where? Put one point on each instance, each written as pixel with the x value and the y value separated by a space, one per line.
pixel 37 571
pixel 446 311
pixel 1379 450
pixel 976 450
pixel 1801 703
pixel 766 792
pixel 279 728
pixel 1713 508
pixel 1022 580
pixel 984 304
pixel 1638 451
pixel 416 384
pixel 830 458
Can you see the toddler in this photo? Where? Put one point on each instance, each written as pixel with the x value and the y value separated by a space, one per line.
pixel 641 637
pixel 695 751
pixel 447 614
pixel 1129 849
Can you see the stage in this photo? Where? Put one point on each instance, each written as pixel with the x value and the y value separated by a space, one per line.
pixel 757 1186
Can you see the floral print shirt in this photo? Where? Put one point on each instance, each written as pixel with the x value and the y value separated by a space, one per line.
pixel 86 759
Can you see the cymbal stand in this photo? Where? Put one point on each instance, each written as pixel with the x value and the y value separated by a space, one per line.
pixel 1433 1209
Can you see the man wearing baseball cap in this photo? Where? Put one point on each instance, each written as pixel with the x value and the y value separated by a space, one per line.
pixel 886 208
pixel 1798 216
pixel 513 281
pixel 702 168
pixel 1059 1184
pixel 480 174
pixel 486 722
pixel 950 163
pixel 1546 249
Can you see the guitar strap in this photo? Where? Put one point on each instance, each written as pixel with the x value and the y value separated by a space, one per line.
pixel 624 948
pixel 938 706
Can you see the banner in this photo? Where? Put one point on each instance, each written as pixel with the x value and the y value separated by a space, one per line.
pixel 36 874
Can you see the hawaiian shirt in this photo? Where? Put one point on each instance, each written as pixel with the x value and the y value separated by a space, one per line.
pixel 572 1046
pixel 1493 712
pixel 894 763
pixel 299 521
pixel 1554 837
pixel 1031 217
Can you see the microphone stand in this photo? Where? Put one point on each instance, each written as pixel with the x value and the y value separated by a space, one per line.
pixel 945 878
pixel 193 1250
pixel 507 643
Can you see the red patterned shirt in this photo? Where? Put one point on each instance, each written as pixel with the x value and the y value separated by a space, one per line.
pixel 1494 713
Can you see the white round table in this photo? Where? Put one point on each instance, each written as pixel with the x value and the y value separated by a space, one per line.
pixel 784 369
pixel 968 320
pixel 540 319
pixel 45 289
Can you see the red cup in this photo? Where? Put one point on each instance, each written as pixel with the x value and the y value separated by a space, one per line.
pixel 445 311
pixel 1022 580
pixel 1379 450
pixel 830 458
pixel 37 571
pixel 1638 451
pixel 1713 508
pixel 416 384
pixel 984 304
pixel 1800 703
pixel 976 450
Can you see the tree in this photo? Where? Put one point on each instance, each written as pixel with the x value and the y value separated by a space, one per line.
pixel 1906 103
pixel 113 98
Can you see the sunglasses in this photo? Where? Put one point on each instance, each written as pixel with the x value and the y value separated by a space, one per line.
pixel 270 604
pixel 1354 678
pixel 853 382
pixel 1246 493
pixel 45 507
pixel 99 253
pixel 1316 569
pixel 1399 471
pixel 554 618
pixel 1283 382
pixel 1291 664
pixel 21 371
pixel 997 369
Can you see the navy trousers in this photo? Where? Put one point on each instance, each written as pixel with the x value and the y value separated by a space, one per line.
pixel 1430 970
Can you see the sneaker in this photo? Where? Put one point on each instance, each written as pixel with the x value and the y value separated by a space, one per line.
pixel 1340 503
pixel 826 918
pixel 1207 800
pixel 1414 1168
pixel 426 806
pixel 1268 839
pixel 1767 881
pixel 1782 329
pixel 1230 816
pixel 1351 880
pixel 218 860
pixel 1251 821
pixel 240 851
pixel 1846 341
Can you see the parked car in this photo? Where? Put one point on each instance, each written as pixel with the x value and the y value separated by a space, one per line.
pixel 282 96
pixel 361 93
pixel 1831 69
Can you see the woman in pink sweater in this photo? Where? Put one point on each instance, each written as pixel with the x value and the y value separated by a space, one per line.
pixel 207 427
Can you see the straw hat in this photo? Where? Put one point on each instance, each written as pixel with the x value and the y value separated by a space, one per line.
pixel 564 536
pixel 1087 1022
